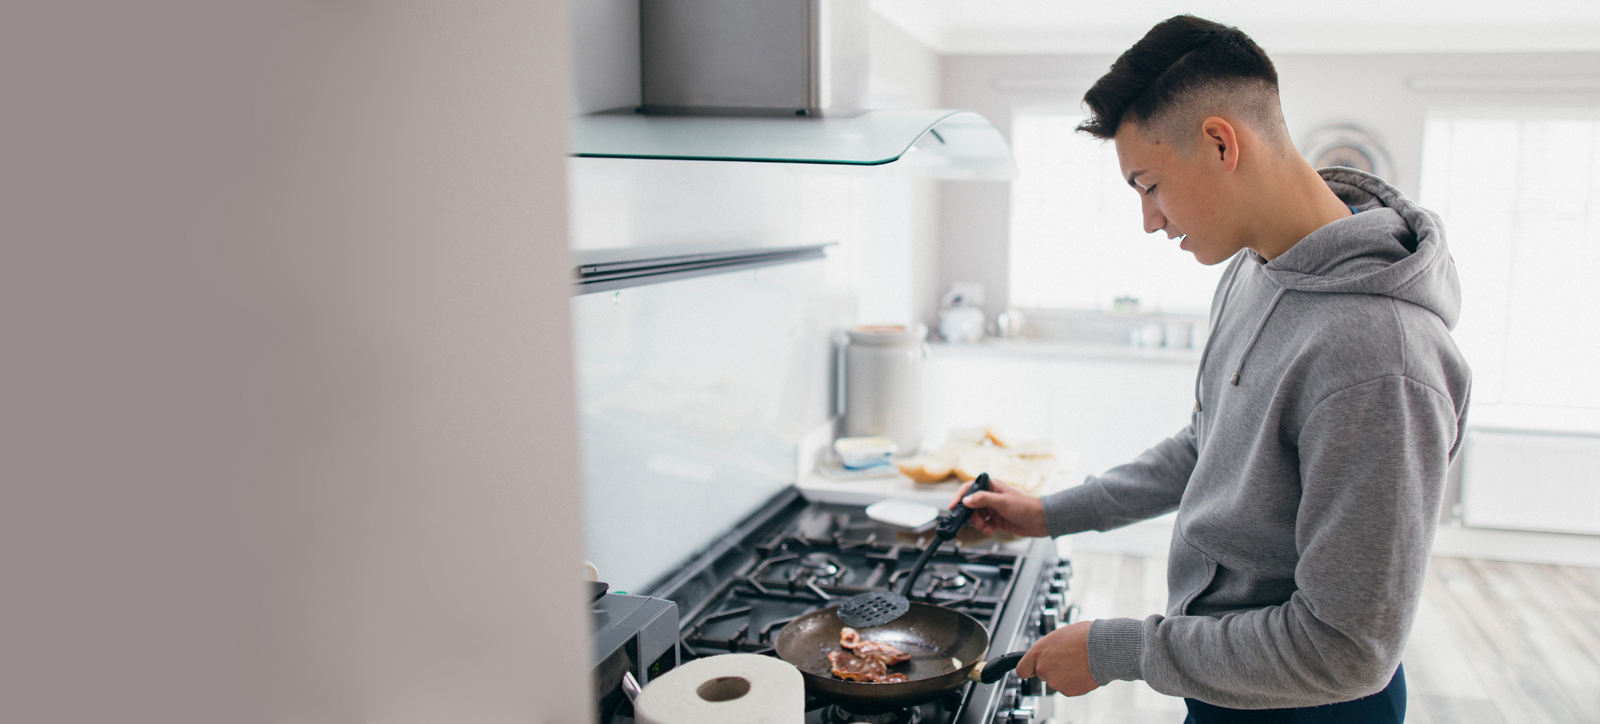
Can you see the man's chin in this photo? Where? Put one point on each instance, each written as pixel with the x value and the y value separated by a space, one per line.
pixel 1204 258
pixel 1207 257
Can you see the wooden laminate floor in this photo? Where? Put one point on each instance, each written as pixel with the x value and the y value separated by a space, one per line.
pixel 1493 643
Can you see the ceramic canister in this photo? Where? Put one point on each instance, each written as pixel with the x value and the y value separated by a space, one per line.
pixel 883 383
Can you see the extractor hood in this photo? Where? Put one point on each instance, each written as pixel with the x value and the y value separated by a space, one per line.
pixel 777 81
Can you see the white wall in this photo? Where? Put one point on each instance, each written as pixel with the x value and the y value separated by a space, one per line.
pixel 1373 90
pixel 289 409
pixel 905 74
pixel 902 72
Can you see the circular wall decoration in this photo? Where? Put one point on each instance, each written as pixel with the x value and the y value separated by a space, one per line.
pixel 1351 146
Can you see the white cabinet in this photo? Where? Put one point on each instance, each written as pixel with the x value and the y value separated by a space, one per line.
pixel 1109 411
pixel 1101 406
pixel 1011 393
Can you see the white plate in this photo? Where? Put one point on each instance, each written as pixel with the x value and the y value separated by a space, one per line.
pixel 899 513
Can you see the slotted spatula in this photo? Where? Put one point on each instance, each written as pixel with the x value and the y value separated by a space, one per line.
pixel 876 608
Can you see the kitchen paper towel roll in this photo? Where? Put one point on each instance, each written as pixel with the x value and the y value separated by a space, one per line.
pixel 725 689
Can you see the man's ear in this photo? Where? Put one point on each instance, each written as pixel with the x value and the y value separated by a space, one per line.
pixel 1221 141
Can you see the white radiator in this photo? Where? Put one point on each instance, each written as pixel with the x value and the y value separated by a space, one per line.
pixel 1531 481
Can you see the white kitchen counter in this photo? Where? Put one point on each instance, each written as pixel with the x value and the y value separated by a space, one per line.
pixel 872 490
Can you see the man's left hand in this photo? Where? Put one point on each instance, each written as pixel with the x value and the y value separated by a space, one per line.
pixel 1061 659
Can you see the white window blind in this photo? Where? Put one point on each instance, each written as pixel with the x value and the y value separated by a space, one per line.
pixel 1519 194
pixel 1077 234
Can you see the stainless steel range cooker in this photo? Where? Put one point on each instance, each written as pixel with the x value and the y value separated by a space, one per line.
pixel 794 556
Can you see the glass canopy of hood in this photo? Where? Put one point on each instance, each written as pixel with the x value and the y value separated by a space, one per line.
pixel 947 144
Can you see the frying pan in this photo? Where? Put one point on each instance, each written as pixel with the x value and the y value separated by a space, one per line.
pixel 945 646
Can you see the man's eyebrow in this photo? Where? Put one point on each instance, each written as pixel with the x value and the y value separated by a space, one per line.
pixel 1133 176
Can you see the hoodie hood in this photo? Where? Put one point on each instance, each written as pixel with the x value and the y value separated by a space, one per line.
pixel 1392 247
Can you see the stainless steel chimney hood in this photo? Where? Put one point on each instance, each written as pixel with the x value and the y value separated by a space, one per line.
pixel 777 81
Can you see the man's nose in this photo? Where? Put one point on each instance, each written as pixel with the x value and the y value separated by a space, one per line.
pixel 1153 219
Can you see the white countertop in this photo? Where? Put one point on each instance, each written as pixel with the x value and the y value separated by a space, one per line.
pixel 872 490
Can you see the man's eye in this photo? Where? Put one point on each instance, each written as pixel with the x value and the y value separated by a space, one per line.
pixel 1150 190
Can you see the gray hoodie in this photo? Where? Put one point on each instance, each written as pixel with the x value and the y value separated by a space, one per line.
pixel 1329 404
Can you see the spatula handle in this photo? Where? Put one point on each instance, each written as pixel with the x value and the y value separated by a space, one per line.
pixel 922 562
pixel 948 528
pixel 952 523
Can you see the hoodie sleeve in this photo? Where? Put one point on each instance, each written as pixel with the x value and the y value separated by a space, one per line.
pixel 1372 465
pixel 1149 486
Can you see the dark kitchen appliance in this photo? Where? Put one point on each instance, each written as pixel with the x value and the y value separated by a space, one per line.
pixel 635 637
pixel 794 556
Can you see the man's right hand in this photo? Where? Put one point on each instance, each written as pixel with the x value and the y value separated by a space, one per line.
pixel 1003 507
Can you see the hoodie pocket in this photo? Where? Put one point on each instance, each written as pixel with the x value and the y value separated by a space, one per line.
pixel 1189 574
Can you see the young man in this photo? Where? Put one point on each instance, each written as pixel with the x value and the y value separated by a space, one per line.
pixel 1329 404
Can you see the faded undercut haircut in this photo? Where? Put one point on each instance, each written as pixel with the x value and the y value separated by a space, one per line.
pixel 1182 71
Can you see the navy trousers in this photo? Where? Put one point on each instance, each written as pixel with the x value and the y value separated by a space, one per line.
pixel 1385 707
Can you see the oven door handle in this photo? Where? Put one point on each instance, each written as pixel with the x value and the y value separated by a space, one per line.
pixel 630 687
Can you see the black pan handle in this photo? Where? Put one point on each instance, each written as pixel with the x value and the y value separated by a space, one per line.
pixel 996 668
pixel 951 525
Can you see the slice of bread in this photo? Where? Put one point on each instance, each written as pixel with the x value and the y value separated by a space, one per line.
pixel 964 436
pixel 1033 449
pixel 1023 474
pixel 931 468
pixel 975 450
pixel 914 468
pixel 977 459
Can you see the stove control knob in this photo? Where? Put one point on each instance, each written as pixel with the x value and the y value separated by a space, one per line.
pixel 1057 585
pixel 1056 600
pixel 1023 714
pixel 1048 620
pixel 1031 687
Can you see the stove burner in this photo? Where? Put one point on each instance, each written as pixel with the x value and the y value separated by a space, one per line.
pixel 818 565
pixel 839 715
pixel 946 577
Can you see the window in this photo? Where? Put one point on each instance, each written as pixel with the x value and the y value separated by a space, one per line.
pixel 1519 194
pixel 1077 236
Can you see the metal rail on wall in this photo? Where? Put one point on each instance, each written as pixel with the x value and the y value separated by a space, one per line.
pixel 604 270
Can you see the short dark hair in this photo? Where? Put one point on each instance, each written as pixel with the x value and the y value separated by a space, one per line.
pixel 1178 57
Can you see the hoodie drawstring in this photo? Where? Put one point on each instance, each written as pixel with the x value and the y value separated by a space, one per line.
pixel 1212 334
pixel 1257 334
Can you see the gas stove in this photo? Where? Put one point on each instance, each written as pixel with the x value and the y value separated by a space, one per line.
pixel 796 555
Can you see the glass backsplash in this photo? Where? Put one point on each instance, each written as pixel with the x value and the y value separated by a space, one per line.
pixel 693 397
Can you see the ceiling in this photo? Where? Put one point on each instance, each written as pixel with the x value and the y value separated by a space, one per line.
pixel 1001 27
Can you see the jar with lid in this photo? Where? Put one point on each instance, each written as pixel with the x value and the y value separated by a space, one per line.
pixel 882 383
